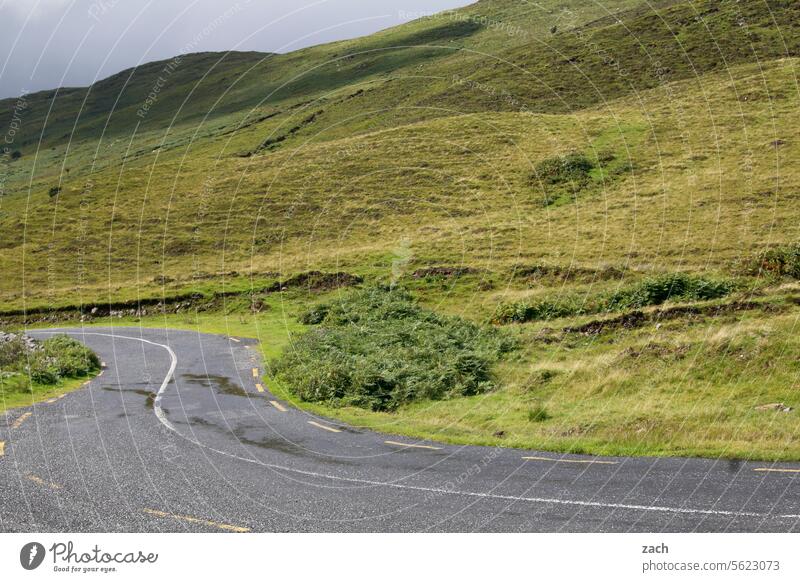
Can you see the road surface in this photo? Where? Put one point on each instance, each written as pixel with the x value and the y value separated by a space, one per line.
pixel 179 433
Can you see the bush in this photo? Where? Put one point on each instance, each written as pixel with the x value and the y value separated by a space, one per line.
pixel 12 350
pixel 522 311
pixel 572 167
pixel 657 290
pixel 16 154
pixel 49 361
pixel 54 191
pixel 778 262
pixel 377 349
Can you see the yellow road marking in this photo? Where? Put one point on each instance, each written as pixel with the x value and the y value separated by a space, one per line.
pixel 413 446
pixel 768 470
pixel 277 405
pixel 586 461
pixel 2 448
pixel 233 339
pixel 20 420
pixel 51 400
pixel 323 427
pixel 190 519
pixel 40 481
pixel 259 387
pixel 255 372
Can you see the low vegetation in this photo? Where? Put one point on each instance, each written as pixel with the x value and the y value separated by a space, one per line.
pixel 678 287
pixel 29 368
pixel 378 349
pixel 778 262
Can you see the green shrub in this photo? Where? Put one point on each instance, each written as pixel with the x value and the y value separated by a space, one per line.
pixel 11 352
pixel 574 167
pixel 657 290
pixel 56 358
pixel 523 311
pixel 377 349
pixel 778 262
pixel 54 191
pixel 314 316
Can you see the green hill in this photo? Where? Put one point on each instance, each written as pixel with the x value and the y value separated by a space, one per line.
pixel 523 159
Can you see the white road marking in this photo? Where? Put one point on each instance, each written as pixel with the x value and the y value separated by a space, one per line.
pixel 323 427
pixel 770 470
pixel 413 446
pixel 584 461
pixel 233 339
pixel 436 490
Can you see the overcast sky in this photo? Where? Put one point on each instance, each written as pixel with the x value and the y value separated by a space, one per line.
pixel 55 43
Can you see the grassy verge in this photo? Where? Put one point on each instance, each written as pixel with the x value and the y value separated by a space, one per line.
pixel 13 398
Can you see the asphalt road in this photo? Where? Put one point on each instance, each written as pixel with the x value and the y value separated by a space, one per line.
pixel 176 435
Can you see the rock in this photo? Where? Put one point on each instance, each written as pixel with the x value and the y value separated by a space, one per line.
pixel 775 406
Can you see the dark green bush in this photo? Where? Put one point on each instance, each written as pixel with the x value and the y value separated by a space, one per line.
pixel 54 191
pixel 778 262
pixel 377 349
pixel 574 167
pixel 657 290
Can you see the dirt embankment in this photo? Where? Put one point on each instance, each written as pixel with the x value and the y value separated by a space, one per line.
pixel 312 281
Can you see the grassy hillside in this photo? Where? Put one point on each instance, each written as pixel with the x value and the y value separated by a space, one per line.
pixel 508 158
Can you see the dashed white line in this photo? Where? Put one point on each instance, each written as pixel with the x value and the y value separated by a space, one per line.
pixel 582 461
pixel 409 445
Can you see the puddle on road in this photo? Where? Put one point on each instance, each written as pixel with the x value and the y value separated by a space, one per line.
pixel 256 435
pixel 221 384
pixel 150 396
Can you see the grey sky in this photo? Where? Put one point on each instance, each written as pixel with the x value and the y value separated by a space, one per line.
pixel 50 43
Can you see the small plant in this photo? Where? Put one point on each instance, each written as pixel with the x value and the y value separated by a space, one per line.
pixel 657 290
pixel 522 311
pixel 54 191
pixel 574 168
pixel 777 262
pixel 538 414
pixel 16 154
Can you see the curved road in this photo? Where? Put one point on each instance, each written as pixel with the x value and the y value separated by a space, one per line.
pixel 177 434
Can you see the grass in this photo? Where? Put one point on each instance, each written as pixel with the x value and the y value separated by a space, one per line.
pixel 12 397
pixel 639 141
